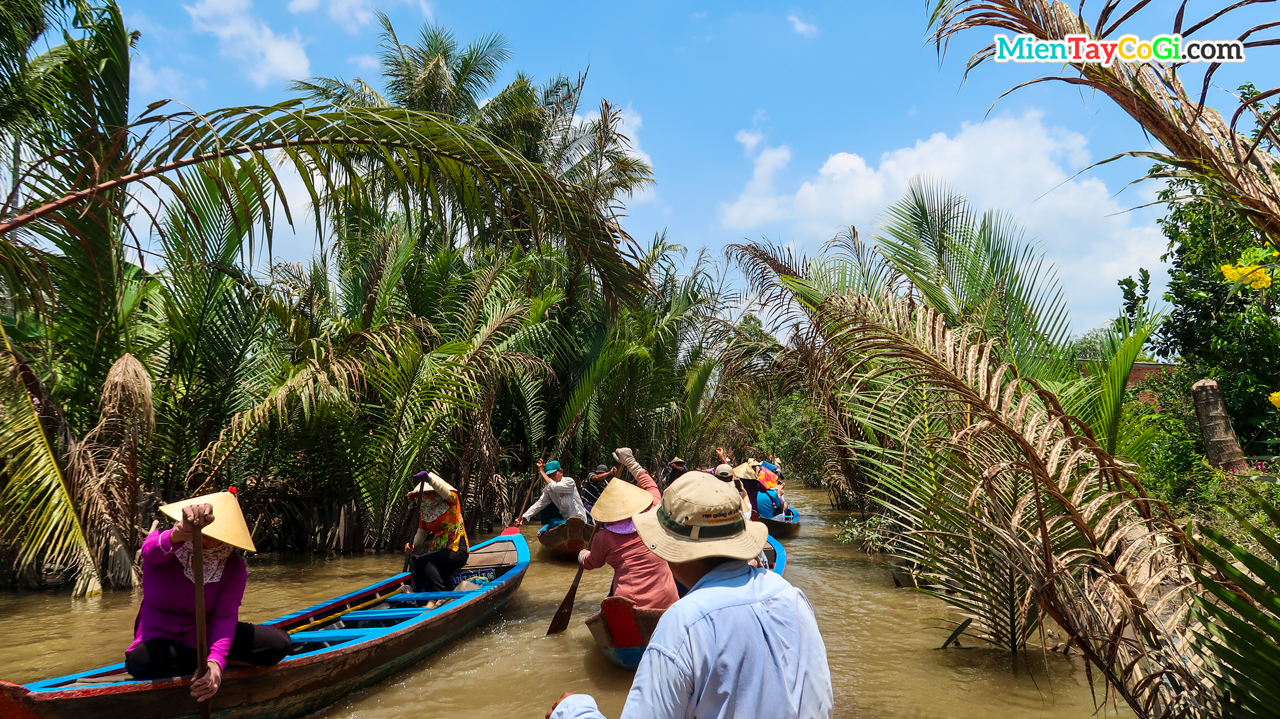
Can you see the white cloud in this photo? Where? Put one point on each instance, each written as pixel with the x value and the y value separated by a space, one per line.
pixel 749 139
pixel 759 202
pixel 631 124
pixel 351 14
pixel 802 27
pixel 364 62
pixel 150 83
pixel 265 56
pixel 1014 164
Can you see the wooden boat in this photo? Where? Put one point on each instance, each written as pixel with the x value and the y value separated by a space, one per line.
pixel 622 630
pixel 339 646
pixel 567 538
pixel 783 529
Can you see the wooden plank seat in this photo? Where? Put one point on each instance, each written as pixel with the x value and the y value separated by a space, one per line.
pixel 497 556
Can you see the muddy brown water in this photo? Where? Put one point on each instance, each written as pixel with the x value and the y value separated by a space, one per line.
pixel 882 651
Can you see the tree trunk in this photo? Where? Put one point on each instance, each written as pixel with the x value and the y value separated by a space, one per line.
pixel 1220 443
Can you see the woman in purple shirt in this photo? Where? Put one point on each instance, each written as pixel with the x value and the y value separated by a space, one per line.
pixel 165 631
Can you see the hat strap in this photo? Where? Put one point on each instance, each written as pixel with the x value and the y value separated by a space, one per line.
pixel 725 530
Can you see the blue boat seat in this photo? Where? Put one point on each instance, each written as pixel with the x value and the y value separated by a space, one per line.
pixel 332 636
pixel 426 596
pixel 382 614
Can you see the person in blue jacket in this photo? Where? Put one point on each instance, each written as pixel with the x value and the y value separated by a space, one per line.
pixel 769 502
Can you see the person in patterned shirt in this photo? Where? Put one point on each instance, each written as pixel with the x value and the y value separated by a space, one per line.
pixel 440 546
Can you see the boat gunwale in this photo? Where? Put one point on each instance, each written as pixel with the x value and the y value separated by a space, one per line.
pixel 57 688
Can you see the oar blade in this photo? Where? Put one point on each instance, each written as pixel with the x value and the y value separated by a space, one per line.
pixel 565 612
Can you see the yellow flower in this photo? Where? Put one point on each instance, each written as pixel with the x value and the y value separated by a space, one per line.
pixel 1252 275
pixel 1275 399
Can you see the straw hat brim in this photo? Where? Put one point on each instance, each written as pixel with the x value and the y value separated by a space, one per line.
pixel 619 500
pixel 675 548
pixel 228 521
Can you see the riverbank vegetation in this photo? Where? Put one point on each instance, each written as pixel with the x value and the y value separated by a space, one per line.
pixel 475 303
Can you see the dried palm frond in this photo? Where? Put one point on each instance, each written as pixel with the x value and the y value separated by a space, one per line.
pixel 1042 515
pixel 1009 506
pixel 1235 168
pixel 103 468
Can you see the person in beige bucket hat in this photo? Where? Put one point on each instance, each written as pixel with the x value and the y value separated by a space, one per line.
pixel 638 574
pixel 164 643
pixel 743 642
pixel 700 517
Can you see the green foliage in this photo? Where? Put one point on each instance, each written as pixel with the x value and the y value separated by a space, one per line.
pixel 1214 328
pixel 1239 629
pixel 873 534
pixel 1175 468
pixel 471 298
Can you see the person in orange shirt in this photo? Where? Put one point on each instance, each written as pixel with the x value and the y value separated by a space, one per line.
pixel 440 546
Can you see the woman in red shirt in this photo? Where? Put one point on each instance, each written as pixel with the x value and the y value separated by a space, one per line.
pixel 440 545
pixel 638 574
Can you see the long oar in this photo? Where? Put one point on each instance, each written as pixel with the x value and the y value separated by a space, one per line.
pixel 565 612
pixel 202 637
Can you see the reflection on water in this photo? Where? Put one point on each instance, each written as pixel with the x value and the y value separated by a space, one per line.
pixel 883 656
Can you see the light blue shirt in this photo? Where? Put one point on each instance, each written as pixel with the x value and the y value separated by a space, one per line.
pixel 742 643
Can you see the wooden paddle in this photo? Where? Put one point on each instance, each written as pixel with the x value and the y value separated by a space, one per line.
pixel 565 612
pixel 202 636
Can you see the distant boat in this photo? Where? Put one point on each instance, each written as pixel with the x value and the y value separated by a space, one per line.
pixel 622 630
pixel 783 529
pixel 339 646
pixel 567 538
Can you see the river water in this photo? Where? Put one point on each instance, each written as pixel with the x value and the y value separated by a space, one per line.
pixel 883 655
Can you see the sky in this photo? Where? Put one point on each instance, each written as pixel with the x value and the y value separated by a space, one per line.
pixel 761 120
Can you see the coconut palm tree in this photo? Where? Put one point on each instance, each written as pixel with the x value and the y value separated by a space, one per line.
pixel 92 185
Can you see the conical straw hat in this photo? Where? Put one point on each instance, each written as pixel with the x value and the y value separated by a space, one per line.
pixel 228 522
pixel 744 471
pixel 432 482
pixel 620 500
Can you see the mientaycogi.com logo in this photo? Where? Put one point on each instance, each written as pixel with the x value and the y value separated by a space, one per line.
pixel 1130 48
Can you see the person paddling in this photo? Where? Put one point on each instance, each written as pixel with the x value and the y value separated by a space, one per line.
pixel 440 545
pixel 638 574
pixel 591 489
pixel 164 642
pixel 559 500
pixel 742 643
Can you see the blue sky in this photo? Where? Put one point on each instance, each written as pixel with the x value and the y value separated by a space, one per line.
pixel 760 120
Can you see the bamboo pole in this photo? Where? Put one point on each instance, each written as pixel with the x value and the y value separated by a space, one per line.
pixel 202 635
